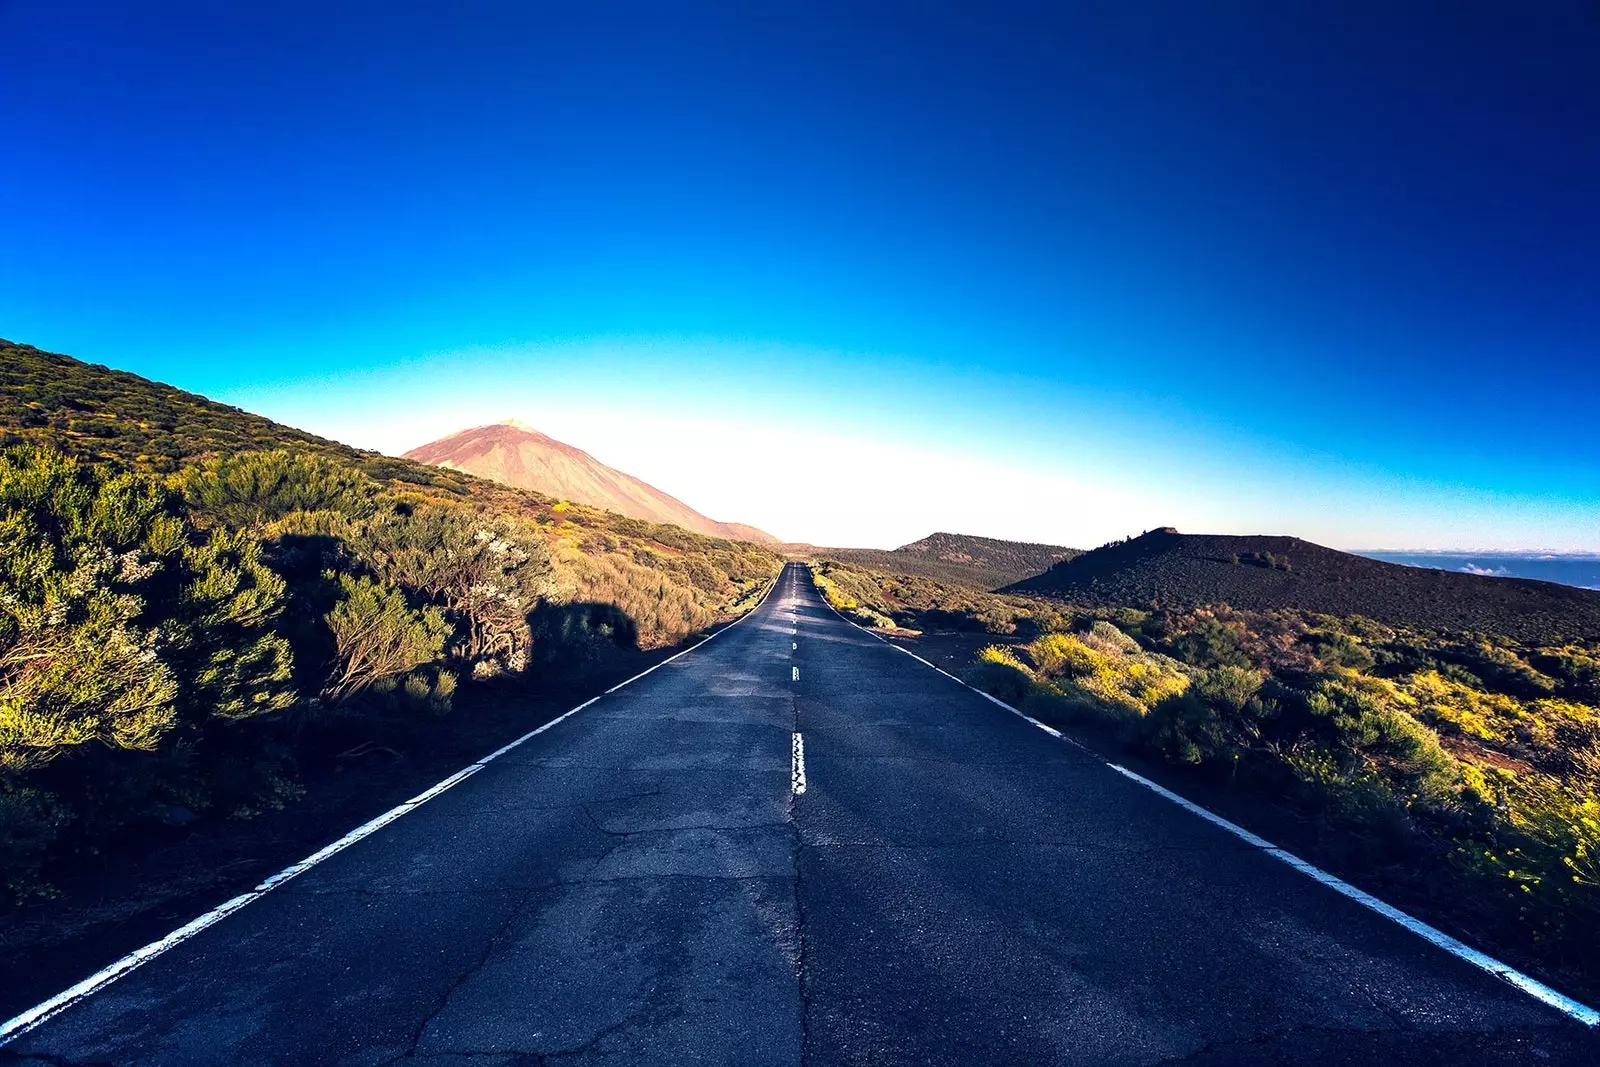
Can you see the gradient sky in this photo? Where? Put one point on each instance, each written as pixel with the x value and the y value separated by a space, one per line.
pixel 854 273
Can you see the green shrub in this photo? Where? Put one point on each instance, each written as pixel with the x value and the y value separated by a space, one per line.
pixel 485 572
pixel 378 637
pixel 1219 717
pixel 117 622
pixel 1209 642
pixel 251 489
pixel 1365 724
pixel 1336 649
pixel 999 673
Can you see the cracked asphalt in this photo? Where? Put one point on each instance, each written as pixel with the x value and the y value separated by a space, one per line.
pixel 640 885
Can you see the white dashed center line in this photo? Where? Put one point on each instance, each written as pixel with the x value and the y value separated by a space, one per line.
pixel 797 765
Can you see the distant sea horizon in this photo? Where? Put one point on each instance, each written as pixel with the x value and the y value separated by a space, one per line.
pixel 1578 569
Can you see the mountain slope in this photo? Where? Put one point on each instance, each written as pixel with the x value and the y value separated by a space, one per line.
pixel 981 562
pixel 1264 573
pixel 98 413
pixel 518 455
pixel 670 581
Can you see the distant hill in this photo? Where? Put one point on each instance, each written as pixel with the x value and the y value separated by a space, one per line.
pixel 980 562
pixel 1264 573
pixel 517 455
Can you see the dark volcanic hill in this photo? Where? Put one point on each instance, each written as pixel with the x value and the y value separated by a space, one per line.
pixel 982 562
pixel 1263 573
pixel 515 454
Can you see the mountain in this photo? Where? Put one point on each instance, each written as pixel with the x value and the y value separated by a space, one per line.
pixel 1264 573
pixel 982 562
pixel 516 454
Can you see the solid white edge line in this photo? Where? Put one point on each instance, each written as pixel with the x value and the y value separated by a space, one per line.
pixel 1438 938
pixel 20 1024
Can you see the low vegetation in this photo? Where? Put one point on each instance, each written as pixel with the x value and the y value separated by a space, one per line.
pixel 893 600
pixel 958 559
pixel 188 591
pixel 1462 765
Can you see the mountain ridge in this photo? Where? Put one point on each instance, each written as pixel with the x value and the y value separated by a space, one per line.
pixel 1264 573
pixel 986 563
pixel 513 453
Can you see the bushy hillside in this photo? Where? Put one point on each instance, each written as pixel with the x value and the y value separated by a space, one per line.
pixel 187 591
pixel 94 412
pixel 897 600
pixel 677 582
pixel 981 562
pixel 1462 769
pixel 1170 569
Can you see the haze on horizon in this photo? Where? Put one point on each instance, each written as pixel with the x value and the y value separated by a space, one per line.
pixel 855 275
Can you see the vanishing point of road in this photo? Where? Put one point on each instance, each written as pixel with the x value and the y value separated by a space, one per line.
pixel 797 845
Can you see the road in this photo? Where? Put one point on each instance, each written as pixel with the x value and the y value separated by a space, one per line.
pixel 650 881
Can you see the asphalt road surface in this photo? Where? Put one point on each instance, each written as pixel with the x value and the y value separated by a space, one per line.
pixel 655 881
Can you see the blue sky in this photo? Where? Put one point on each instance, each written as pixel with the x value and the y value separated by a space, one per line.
pixel 856 272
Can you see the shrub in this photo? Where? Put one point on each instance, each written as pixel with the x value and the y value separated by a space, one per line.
pixel 1209 642
pixel 1059 654
pixel 1576 671
pixel 1220 716
pixel 116 621
pixel 1366 727
pixel 1335 649
pixel 1269 560
pixel 486 572
pixel 1106 667
pixel 378 637
pixel 230 661
pixel 129 641
pixel 999 673
pixel 252 489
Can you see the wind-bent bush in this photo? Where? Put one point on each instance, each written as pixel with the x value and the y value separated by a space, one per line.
pixel 378 637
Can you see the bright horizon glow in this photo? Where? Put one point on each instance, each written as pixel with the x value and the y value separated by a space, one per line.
pixel 853 274
pixel 835 466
